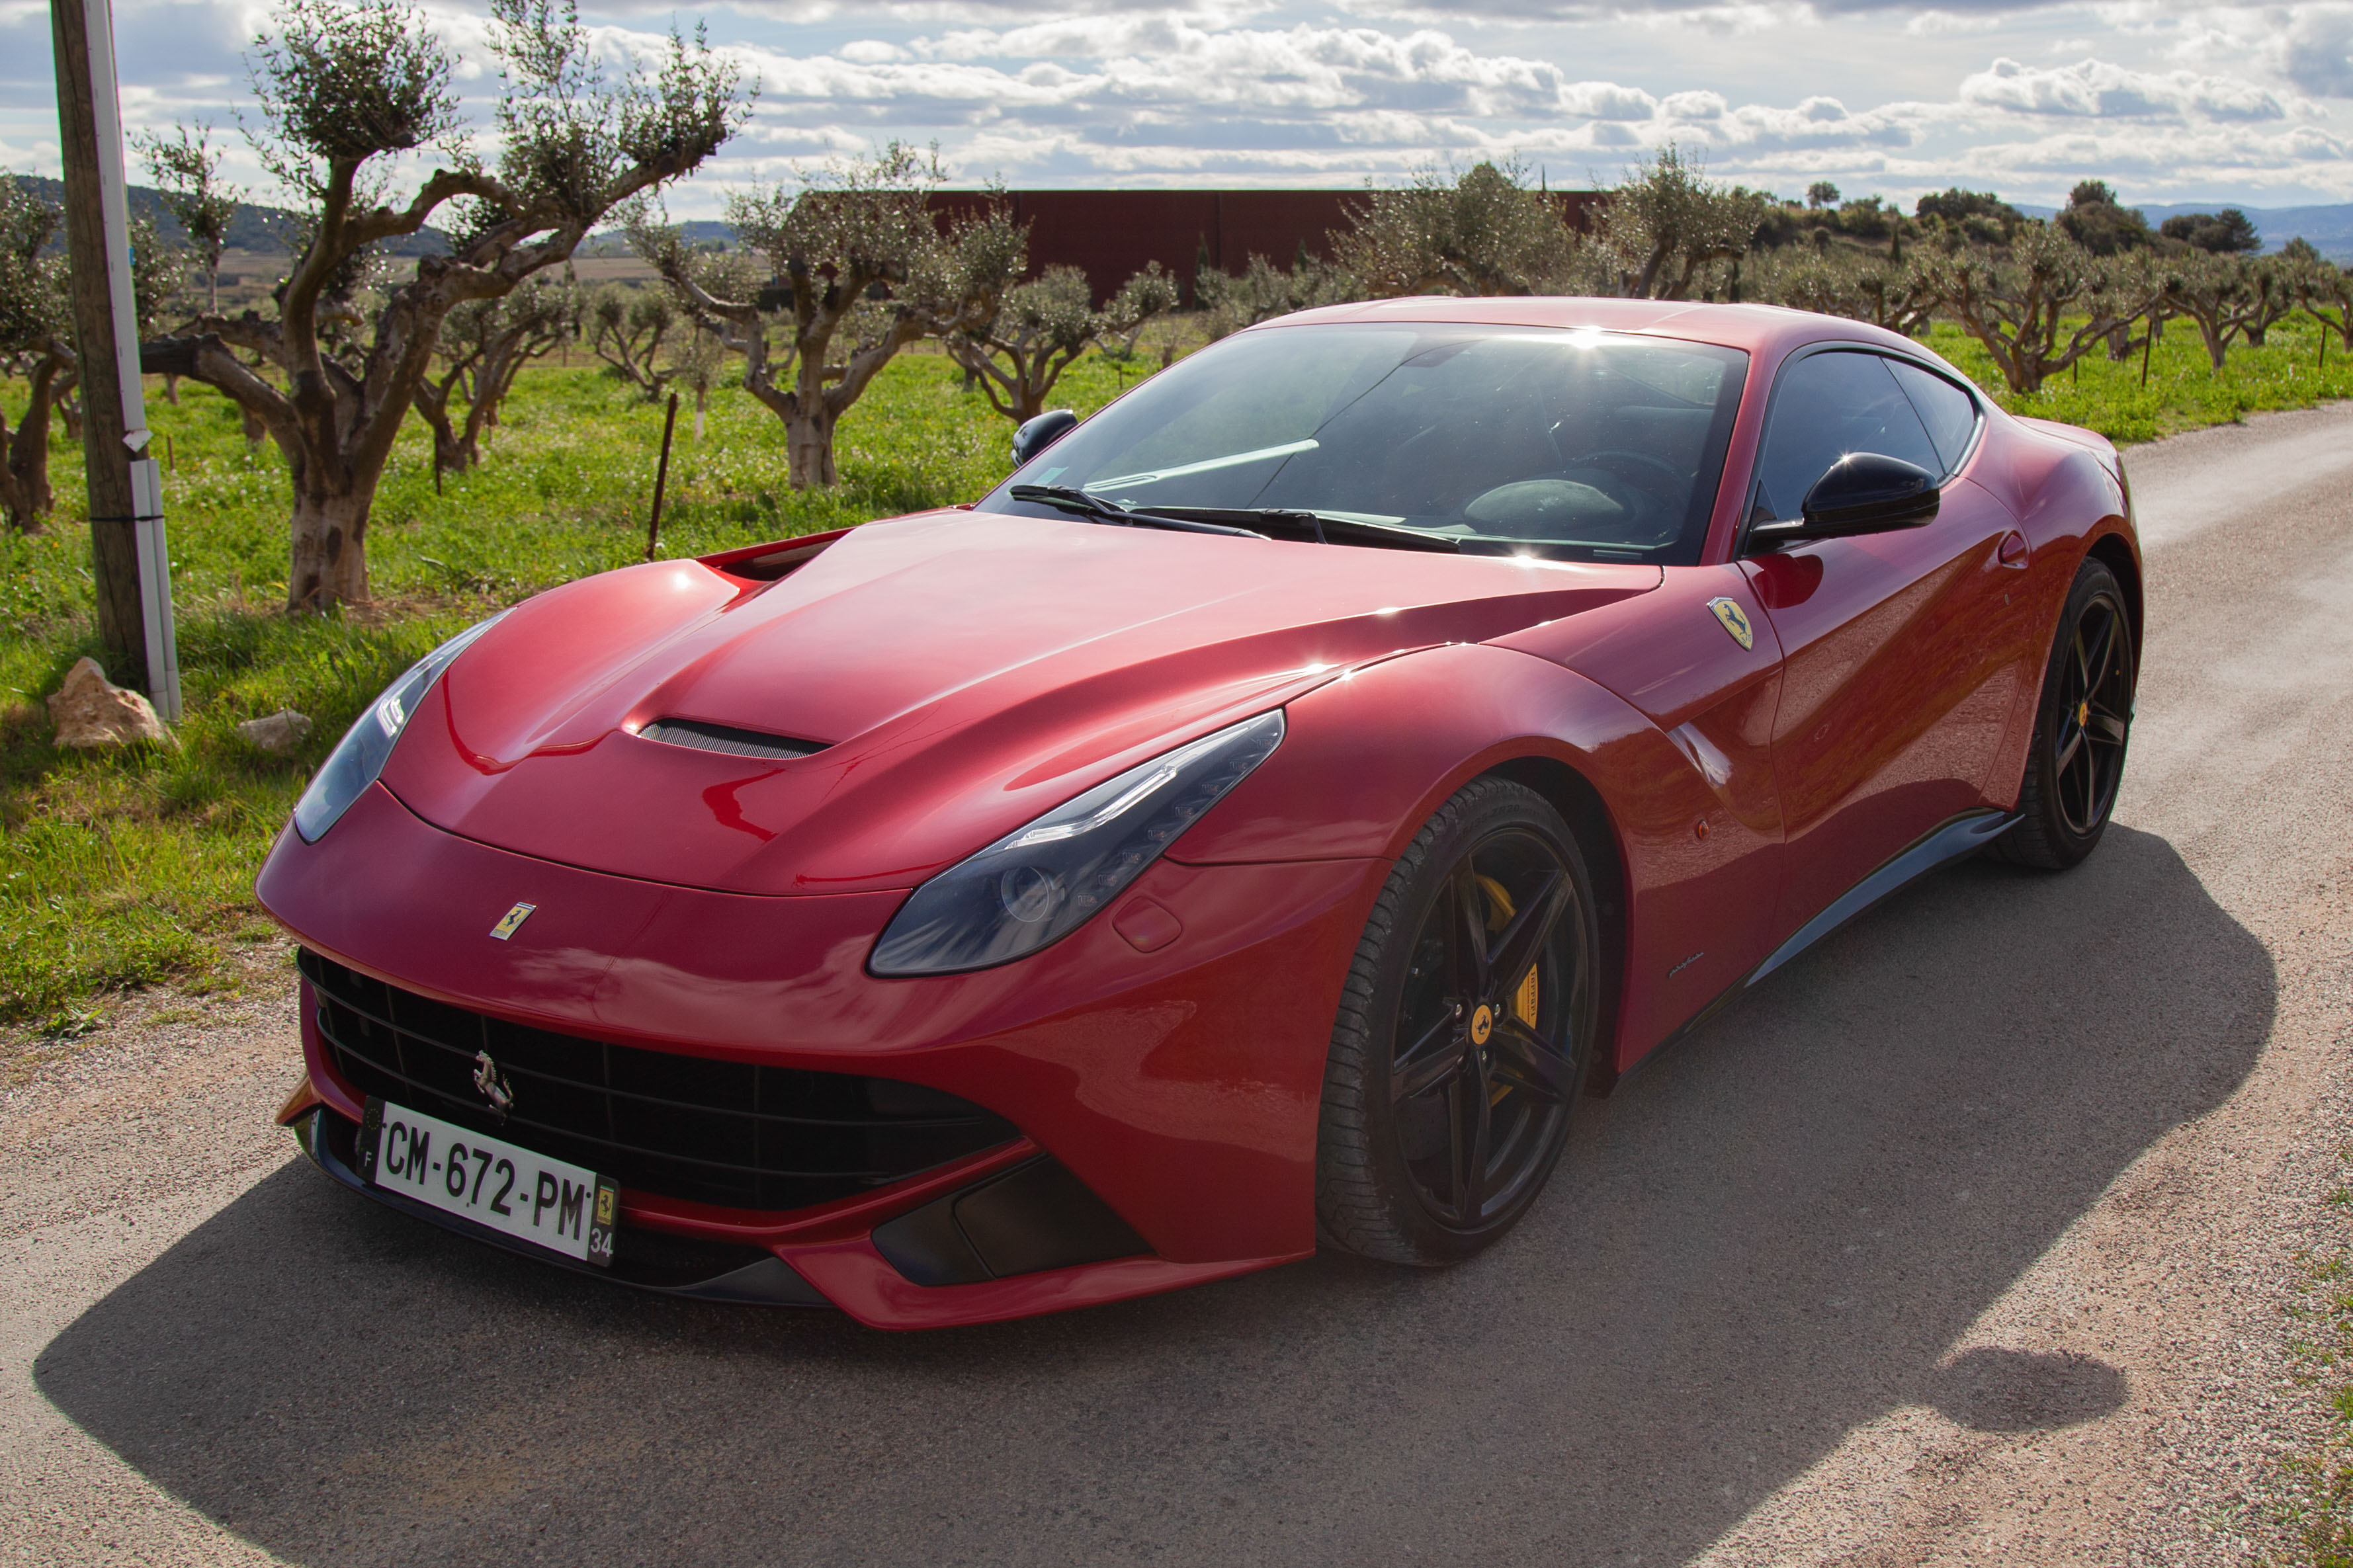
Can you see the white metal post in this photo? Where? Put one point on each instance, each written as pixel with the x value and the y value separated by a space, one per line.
pixel 146 477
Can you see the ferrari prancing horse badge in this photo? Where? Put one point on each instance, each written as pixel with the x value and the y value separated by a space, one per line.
pixel 1735 621
pixel 509 921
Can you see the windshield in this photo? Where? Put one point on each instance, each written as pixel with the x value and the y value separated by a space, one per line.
pixel 1579 444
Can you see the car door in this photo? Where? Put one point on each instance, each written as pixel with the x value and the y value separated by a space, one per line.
pixel 1894 694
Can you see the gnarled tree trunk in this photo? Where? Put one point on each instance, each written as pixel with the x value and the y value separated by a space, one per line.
pixel 25 496
pixel 809 440
pixel 330 558
pixel 455 450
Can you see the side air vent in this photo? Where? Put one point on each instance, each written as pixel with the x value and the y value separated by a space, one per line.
pixel 1035 1216
pixel 726 738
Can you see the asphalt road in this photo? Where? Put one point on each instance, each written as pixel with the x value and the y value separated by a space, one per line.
pixel 1962 1235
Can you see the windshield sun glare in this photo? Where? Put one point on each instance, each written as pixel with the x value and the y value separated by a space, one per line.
pixel 1576 444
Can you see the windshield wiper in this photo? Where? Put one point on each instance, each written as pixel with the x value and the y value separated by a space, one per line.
pixel 1322 527
pixel 1079 503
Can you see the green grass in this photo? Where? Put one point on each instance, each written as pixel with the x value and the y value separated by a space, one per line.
pixel 2183 391
pixel 124 870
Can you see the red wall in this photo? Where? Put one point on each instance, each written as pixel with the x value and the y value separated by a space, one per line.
pixel 1112 233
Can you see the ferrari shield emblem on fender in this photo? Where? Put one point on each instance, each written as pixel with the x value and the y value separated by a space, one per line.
pixel 513 919
pixel 1735 621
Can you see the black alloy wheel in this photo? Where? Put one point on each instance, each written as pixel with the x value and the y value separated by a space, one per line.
pixel 1461 1045
pixel 2077 756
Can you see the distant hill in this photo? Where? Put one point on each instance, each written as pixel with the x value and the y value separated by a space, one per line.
pixel 702 231
pixel 255 228
pixel 2329 229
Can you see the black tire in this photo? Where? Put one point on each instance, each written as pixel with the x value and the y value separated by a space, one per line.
pixel 2075 760
pixel 1432 1143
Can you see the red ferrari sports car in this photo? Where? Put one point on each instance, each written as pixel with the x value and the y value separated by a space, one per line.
pixel 1248 828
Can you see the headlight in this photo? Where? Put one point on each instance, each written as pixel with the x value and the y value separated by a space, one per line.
pixel 1039 883
pixel 359 755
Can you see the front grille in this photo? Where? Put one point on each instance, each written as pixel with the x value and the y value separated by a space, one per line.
pixel 734 1133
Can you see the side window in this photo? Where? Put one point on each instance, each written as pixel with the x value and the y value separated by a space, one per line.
pixel 1825 406
pixel 1951 413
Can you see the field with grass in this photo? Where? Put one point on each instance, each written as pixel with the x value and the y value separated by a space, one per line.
pixel 124 869
pixel 2183 391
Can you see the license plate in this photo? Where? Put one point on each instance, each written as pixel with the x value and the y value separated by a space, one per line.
pixel 561 1207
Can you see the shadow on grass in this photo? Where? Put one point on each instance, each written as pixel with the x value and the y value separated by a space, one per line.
pixel 1772 1235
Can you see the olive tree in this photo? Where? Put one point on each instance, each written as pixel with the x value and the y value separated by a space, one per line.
pixel 857 266
pixel 1666 222
pixel 627 328
pixel 35 331
pixel 186 170
pixel 1480 230
pixel 346 86
pixel 698 364
pixel 2227 297
pixel 2041 305
pixel 485 343
pixel 1863 288
pixel 1046 324
pixel 2325 290
pixel 36 336
pixel 1262 292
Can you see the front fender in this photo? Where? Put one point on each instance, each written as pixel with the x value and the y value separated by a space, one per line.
pixel 1368 758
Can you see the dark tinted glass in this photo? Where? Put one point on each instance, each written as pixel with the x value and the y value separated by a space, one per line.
pixel 1825 406
pixel 1951 413
pixel 1581 444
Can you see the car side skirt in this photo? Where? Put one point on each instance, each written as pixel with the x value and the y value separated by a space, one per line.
pixel 1954 841
pixel 1962 837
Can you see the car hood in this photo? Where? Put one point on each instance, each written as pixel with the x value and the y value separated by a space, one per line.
pixel 961 671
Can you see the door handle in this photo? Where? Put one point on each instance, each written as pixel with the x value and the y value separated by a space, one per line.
pixel 2014 551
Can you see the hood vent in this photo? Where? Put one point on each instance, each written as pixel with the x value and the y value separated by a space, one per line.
pixel 726 738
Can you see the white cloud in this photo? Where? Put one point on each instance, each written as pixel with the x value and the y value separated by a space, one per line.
pixel 1607 100
pixel 1936 24
pixel 2206 100
pixel 2315 49
pixel 2095 89
pixel 2128 155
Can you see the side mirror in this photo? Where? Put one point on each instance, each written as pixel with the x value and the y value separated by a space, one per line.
pixel 1864 492
pixel 1035 434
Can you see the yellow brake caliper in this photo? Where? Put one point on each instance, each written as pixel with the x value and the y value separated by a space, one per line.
pixel 1523 1001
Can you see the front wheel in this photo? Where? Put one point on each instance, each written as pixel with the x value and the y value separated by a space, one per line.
pixel 1462 1035
pixel 2077 758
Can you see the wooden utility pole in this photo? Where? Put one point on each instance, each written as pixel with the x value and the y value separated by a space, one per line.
pixel 130 566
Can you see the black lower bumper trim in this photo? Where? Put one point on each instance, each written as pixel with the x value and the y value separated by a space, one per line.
pixel 654 1261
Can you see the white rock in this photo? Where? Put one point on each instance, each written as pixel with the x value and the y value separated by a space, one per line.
pixel 90 711
pixel 277 733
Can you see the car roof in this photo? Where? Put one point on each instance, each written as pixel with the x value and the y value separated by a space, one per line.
pixel 1769 330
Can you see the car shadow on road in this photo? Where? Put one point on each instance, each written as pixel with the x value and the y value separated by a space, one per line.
pixel 1776 1233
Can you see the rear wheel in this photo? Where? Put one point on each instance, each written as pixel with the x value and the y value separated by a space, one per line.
pixel 1463 1034
pixel 2076 759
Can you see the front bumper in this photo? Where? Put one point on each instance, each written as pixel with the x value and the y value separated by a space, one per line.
pixel 1180 1084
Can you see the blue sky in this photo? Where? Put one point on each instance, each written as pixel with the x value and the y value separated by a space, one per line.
pixel 2244 103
